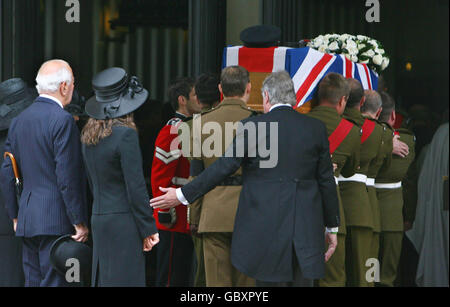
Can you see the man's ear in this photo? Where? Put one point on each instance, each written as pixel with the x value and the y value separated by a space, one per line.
pixel 182 100
pixel 248 89
pixel 363 100
pixel 220 88
pixel 377 115
pixel 393 116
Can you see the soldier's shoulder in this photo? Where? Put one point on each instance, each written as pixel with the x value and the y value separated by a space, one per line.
pixel 174 121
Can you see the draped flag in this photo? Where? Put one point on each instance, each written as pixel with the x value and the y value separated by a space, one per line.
pixel 305 65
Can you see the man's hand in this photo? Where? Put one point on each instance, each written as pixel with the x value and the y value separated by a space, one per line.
pixel 331 239
pixel 400 148
pixel 166 201
pixel 15 224
pixel 81 234
pixel 150 241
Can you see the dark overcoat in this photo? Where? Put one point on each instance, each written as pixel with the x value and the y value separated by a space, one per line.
pixel 11 272
pixel 121 213
pixel 284 208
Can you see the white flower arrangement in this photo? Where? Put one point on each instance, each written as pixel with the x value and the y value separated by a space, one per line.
pixel 359 49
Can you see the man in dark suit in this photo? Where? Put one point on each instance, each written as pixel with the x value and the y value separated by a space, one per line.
pixel 46 145
pixel 286 201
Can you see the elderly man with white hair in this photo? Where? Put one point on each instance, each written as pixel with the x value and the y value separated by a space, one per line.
pixel 46 144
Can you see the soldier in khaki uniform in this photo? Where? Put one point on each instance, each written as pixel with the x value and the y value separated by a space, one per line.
pixel 355 198
pixel 344 138
pixel 372 109
pixel 208 96
pixel 218 209
pixel 390 196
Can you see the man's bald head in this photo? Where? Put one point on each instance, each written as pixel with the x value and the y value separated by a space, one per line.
pixel 373 104
pixel 356 93
pixel 55 78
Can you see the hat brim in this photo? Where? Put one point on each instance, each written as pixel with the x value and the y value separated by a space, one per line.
pixel 53 250
pixel 17 108
pixel 127 105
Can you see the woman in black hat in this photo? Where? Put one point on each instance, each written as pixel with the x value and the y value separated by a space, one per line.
pixel 122 222
pixel 15 97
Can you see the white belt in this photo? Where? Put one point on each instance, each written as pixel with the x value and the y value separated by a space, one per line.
pixel 370 182
pixel 395 185
pixel 336 180
pixel 180 181
pixel 356 177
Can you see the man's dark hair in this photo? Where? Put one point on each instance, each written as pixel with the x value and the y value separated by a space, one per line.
pixel 388 105
pixel 179 87
pixel 234 80
pixel 207 89
pixel 332 88
pixel 373 102
pixel 356 93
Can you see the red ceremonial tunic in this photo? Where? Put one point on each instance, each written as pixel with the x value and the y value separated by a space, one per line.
pixel 170 169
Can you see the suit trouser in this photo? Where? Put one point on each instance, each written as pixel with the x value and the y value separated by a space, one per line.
pixel 36 263
pixel 390 251
pixel 218 268
pixel 11 265
pixel 175 259
pixel 299 279
pixel 358 251
pixel 200 278
pixel 335 275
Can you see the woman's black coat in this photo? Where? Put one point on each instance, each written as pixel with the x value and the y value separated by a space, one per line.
pixel 121 213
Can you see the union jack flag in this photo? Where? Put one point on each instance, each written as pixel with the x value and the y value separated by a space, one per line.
pixel 305 65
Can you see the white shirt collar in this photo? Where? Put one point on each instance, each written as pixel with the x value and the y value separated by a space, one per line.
pixel 280 105
pixel 52 98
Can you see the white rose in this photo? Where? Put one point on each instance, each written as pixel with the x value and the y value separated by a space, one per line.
pixel 379 51
pixel 385 63
pixel 377 59
pixel 352 50
pixel 374 43
pixel 318 42
pixel 323 49
pixel 351 44
pixel 354 58
pixel 361 46
pixel 370 53
pixel 361 37
pixel 333 46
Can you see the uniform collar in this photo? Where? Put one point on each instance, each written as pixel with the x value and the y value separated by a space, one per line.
pixel 233 101
pixel 355 115
pixel 326 109
pixel 180 116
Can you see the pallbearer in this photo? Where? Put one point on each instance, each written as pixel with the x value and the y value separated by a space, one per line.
pixel 390 197
pixel 344 137
pixel 355 198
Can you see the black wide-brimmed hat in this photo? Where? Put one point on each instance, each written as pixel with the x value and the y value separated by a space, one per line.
pixel 76 105
pixel 261 36
pixel 116 94
pixel 15 96
pixel 65 248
